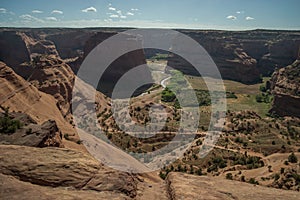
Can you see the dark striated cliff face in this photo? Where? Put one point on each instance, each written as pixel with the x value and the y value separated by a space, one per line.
pixel 23 48
pixel 286 90
pixel 120 65
pixel 240 55
pixel 244 55
pixel 13 50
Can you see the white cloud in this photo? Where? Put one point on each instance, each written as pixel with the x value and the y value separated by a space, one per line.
pixel 112 8
pixel 123 17
pixel 134 9
pixel 108 20
pixel 119 12
pixel 249 18
pixel 37 11
pixel 231 17
pixel 52 19
pixel 129 13
pixel 3 10
pixel 57 12
pixel 30 18
pixel 90 9
pixel 240 12
pixel 114 16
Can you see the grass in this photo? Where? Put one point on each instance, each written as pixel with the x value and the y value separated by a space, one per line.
pixel 246 94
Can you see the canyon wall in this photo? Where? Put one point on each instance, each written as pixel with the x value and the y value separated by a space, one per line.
pixel 22 49
pixel 240 55
pixel 286 90
pixel 244 55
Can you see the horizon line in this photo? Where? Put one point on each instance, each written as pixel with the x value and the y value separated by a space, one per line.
pixel 129 27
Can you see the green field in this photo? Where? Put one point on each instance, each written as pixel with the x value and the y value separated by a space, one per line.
pixel 246 94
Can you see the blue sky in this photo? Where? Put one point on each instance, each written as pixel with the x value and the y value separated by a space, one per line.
pixel 195 14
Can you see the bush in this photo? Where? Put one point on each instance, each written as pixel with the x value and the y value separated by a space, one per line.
pixel 276 176
pixel 292 158
pixel 238 140
pixel 66 136
pixel 167 95
pixel 8 125
pixel 259 98
pixel 243 179
pixel 199 172
pixel 162 175
pixel 229 176
pixel 263 88
pixel 286 162
pixel 213 167
pixel 253 181
pixel 231 95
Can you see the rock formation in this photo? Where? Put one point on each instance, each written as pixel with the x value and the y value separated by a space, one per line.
pixel 286 91
pixel 239 55
pixel 21 96
pixel 53 76
pixel 31 133
pixel 14 51
pixel 244 55
pixel 184 186
pixel 120 65
pixel 62 169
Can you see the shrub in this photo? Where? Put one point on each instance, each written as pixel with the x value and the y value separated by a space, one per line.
pixel 243 179
pixel 238 140
pixel 263 88
pixel 286 162
pixel 162 175
pixel 66 136
pixel 259 98
pixel 276 176
pixel 229 176
pixel 292 158
pixel 167 95
pixel 213 167
pixel 199 172
pixel 253 181
pixel 8 125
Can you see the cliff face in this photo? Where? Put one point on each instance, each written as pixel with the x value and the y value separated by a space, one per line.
pixel 121 65
pixel 22 96
pixel 13 50
pixel 22 48
pixel 239 55
pixel 53 76
pixel 243 56
pixel 286 90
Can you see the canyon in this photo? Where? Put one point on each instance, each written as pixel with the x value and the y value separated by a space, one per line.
pixel 45 157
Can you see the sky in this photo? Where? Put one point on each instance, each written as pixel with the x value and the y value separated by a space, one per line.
pixel 190 14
